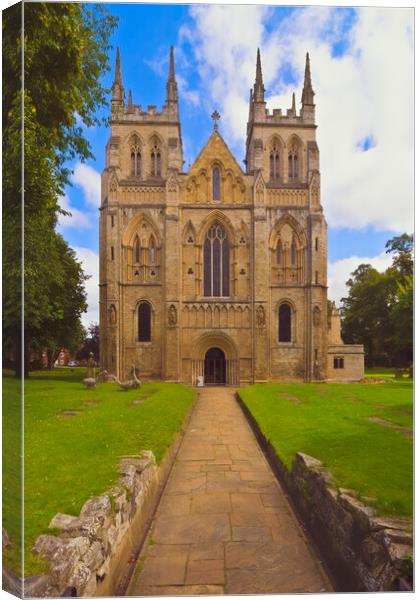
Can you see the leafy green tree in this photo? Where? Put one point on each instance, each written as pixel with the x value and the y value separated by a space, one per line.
pixel 66 53
pixel 378 311
pixel 91 343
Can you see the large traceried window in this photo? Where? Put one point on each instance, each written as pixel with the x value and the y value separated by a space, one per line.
pixel 216 183
pixel 216 261
pixel 285 323
pixel 145 322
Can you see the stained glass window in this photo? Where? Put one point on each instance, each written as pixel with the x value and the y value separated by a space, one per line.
pixel 285 323
pixel 216 262
pixel 133 163
pixel 144 322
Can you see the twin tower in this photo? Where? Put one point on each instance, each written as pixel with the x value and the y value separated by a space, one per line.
pixel 215 274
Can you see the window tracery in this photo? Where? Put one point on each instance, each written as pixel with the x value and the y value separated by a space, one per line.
pixel 135 158
pixel 293 160
pixel 216 261
pixel 275 161
pixel 156 159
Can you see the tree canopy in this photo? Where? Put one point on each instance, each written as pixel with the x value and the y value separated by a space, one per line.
pixel 378 311
pixel 66 53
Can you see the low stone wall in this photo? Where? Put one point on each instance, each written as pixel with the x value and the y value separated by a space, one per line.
pixel 363 551
pixel 83 555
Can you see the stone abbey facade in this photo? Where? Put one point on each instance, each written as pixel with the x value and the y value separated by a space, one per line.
pixel 216 272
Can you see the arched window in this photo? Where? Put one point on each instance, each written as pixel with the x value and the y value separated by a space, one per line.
pixel 152 252
pixel 155 161
pixel 275 162
pixel 135 158
pixel 293 162
pixel 285 323
pixel 216 183
pixel 137 250
pixel 144 322
pixel 216 262
pixel 278 253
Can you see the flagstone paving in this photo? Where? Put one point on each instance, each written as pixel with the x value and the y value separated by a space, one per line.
pixel 224 525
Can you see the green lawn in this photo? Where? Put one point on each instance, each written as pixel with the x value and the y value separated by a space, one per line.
pixel 71 458
pixel 331 422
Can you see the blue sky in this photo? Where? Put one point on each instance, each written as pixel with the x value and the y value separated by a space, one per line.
pixel 366 192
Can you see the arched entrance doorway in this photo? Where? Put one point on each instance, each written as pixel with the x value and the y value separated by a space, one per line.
pixel 215 367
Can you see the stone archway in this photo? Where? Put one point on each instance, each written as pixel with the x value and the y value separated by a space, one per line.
pixel 215 367
pixel 221 350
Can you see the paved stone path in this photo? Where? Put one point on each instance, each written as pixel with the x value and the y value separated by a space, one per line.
pixel 223 524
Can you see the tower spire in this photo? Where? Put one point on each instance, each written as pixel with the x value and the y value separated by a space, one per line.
pixel 307 92
pixel 294 103
pixel 258 85
pixel 117 86
pixel 171 85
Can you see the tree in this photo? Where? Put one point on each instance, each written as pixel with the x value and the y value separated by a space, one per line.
pixel 91 343
pixel 66 52
pixel 378 309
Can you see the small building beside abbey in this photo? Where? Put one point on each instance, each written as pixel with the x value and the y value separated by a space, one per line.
pixel 217 272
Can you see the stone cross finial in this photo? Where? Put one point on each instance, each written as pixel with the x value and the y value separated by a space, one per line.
pixel 215 116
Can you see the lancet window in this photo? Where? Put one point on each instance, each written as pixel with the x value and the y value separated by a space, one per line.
pixel 294 161
pixel 156 161
pixel 135 157
pixel 216 183
pixel 275 162
pixel 216 262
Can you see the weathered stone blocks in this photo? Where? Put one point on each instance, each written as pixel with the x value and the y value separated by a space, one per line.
pixel 80 556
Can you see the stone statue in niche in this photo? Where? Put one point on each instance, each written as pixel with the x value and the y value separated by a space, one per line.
pixel 172 316
pixel 260 317
pixel 112 315
pixel 316 316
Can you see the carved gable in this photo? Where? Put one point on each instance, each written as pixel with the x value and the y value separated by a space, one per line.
pixel 215 177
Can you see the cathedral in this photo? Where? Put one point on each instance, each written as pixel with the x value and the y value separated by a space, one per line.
pixel 217 274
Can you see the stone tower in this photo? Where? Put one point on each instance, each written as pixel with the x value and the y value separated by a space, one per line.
pixel 215 273
pixel 282 155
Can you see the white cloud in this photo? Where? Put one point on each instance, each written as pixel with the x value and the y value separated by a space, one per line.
pixel 340 270
pixel 90 181
pixel 90 264
pixel 366 92
pixel 77 219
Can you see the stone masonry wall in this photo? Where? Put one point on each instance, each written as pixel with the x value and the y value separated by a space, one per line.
pixel 84 555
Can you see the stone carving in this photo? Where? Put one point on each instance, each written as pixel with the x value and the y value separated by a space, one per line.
pixel 316 316
pixel 112 315
pixel 260 317
pixel 172 316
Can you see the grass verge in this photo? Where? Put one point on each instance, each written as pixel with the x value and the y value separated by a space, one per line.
pixel 74 439
pixel 332 422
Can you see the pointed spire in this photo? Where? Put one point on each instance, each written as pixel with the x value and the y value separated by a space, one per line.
pixel 171 86
pixel 258 85
pixel 130 102
pixel 294 103
pixel 117 87
pixel 307 92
